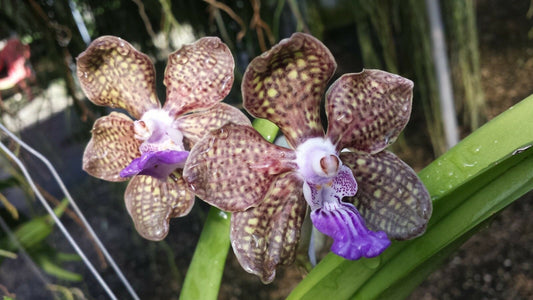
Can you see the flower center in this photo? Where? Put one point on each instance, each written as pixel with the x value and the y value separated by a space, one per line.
pixel 158 132
pixel 162 150
pixel 317 160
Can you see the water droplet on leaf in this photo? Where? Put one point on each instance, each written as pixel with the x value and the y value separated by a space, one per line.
pixel 372 263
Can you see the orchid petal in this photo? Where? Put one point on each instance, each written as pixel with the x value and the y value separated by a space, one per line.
pixel 233 167
pixel 351 239
pixel 113 73
pixel 111 148
pixel 390 197
pixel 151 203
pixel 368 110
pixel 285 85
pixel 194 126
pixel 266 236
pixel 158 164
pixel 198 76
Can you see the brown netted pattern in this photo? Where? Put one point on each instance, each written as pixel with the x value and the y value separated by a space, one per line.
pixel 267 236
pixel 368 110
pixel 194 126
pixel 233 167
pixel 198 76
pixel 152 202
pixel 390 195
pixel 111 148
pixel 112 73
pixel 285 85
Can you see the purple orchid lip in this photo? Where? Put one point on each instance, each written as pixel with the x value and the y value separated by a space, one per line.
pixel 158 164
pixel 340 220
pixel 351 239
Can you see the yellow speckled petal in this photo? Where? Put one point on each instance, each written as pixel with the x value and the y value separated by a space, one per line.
pixel 198 76
pixel 113 73
pixel 390 196
pixel 233 167
pixel 267 236
pixel 368 110
pixel 111 148
pixel 152 202
pixel 194 126
pixel 285 85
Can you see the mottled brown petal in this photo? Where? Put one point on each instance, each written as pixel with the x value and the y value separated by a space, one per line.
pixel 152 202
pixel 368 110
pixel 285 85
pixel 233 167
pixel 198 76
pixel 114 74
pixel 266 236
pixel 390 197
pixel 111 148
pixel 194 126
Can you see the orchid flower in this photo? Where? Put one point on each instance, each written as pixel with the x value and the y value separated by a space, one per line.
pixel 153 148
pixel 358 193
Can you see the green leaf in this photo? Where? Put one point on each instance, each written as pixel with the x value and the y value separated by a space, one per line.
pixel 469 184
pixel 207 265
pixel 50 267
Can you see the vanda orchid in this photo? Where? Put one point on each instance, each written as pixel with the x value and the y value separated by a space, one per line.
pixel 153 148
pixel 359 194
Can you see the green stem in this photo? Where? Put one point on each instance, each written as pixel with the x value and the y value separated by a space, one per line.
pixel 207 265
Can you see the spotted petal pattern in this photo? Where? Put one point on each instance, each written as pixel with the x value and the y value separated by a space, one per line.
pixel 368 110
pixel 390 196
pixel 111 148
pixel 198 76
pixel 285 85
pixel 233 167
pixel 113 73
pixel 266 236
pixel 195 126
pixel 152 202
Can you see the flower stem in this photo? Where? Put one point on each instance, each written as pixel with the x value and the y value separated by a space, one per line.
pixel 207 265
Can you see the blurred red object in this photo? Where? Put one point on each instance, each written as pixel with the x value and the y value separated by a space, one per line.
pixel 15 67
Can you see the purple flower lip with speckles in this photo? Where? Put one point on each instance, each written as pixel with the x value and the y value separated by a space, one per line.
pixel 158 164
pixel 340 220
pixel 351 239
